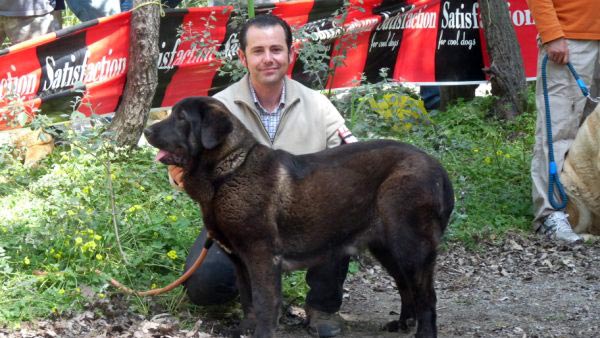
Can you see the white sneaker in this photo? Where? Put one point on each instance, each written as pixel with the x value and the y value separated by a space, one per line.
pixel 557 226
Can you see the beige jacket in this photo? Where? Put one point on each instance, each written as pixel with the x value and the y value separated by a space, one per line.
pixel 309 121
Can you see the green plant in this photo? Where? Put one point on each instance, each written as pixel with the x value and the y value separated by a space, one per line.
pixel 381 109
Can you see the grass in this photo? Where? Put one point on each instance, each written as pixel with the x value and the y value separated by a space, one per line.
pixel 58 218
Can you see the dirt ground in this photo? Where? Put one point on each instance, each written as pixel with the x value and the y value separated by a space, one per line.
pixel 519 287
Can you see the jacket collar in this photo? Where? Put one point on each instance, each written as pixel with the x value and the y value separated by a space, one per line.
pixel 245 95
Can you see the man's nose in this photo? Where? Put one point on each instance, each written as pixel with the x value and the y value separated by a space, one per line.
pixel 268 56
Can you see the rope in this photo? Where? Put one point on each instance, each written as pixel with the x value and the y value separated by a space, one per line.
pixel 553 170
pixel 154 292
pixel 162 11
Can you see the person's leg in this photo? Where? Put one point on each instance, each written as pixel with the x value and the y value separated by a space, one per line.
pixel 214 282
pixel 324 299
pixel 3 35
pixel 566 109
pixel 21 28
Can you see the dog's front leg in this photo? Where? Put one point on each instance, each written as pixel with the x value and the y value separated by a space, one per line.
pixel 244 287
pixel 265 279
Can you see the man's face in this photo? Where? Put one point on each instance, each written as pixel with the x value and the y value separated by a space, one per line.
pixel 266 57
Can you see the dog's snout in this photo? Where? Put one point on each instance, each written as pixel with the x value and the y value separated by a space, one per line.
pixel 148 132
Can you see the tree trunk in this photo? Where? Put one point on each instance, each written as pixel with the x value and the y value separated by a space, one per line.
pixel 449 94
pixel 142 75
pixel 506 71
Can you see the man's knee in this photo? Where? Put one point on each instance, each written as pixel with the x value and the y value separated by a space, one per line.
pixel 214 282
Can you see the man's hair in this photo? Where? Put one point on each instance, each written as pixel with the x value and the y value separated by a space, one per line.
pixel 262 21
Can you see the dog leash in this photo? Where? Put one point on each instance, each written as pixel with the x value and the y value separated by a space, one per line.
pixel 553 170
pixel 154 292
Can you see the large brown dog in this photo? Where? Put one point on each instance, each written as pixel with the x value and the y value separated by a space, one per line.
pixel 275 211
pixel 581 177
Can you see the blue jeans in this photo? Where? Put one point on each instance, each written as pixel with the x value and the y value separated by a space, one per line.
pixel 93 9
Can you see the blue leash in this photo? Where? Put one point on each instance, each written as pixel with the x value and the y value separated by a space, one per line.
pixel 553 170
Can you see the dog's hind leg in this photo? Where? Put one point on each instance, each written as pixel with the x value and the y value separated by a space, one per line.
pixel 412 269
pixel 409 238
pixel 408 314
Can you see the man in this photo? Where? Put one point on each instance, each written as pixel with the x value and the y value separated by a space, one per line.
pixel 282 114
pixel 569 31
pixel 21 20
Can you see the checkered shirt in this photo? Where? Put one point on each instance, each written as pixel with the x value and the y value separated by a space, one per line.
pixel 269 119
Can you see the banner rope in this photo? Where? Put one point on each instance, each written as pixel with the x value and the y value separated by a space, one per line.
pixel 162 11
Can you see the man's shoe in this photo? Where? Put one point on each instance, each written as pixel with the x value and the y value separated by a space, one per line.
pixel 557 226
pixel 323 324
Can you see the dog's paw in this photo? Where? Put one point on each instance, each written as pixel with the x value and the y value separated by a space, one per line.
pixel 247 325
pixel 400 325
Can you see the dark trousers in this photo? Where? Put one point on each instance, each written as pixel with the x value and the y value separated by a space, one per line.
pixel 214 282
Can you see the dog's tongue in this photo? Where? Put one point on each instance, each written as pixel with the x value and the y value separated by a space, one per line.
pixel 161 154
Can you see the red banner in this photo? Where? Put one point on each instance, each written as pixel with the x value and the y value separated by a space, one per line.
pixel 417 41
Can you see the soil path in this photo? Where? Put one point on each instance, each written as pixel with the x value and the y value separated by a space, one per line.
pixel 518 287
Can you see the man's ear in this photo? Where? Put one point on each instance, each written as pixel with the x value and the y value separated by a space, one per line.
pixel 215 126
pixel 242 57
pixel 292 54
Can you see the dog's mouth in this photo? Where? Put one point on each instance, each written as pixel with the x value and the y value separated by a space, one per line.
pixel 168 158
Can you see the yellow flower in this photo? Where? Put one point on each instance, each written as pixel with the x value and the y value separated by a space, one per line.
pixel 168 198
pixel 141 187
pixel 58 255
pixel 101 295
pixel 475 150
pixel 86 190
pixel 99 257
pixel 89 246
pixel 487 160
pixel 78 240
pixel 172 254
pixel 26 260
pixel 499 153
pixel 61 292
pixel 78 290
pixel 135 208
pixel 153 286
pixel 97 237
pixel 173 218
pixel 70 213
pixel 507 156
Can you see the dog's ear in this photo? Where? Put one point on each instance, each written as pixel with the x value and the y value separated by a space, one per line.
pixel 216 126
pixel 210 123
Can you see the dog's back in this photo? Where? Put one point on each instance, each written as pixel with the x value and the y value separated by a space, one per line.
pixel 357 194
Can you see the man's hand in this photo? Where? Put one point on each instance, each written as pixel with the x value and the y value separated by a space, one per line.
pixel 175 176
pixel 558 51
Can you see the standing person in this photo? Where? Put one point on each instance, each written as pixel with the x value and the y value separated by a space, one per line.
pixel 21 20
pixel 569 31
pixel 283 114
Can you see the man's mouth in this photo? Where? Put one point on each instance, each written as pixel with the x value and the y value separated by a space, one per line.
pixel 168 158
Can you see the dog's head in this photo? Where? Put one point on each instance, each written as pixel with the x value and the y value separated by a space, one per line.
pixel 196 124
